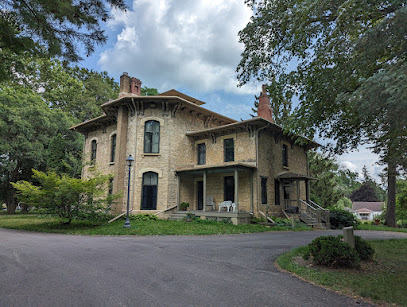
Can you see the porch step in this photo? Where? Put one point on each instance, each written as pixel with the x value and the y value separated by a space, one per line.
pixel 310 221
pixel 177 216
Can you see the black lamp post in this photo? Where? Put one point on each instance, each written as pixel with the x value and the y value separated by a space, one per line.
pixel 129 162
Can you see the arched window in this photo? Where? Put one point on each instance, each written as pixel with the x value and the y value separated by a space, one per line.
pixel 152 137
pixel 94 147
pixel 113 148
pixel 149 192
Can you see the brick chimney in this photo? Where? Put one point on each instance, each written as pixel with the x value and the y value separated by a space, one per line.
pixel 264 109
pixel 129 86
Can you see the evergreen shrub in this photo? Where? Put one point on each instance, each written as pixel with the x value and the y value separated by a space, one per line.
pixel 340 218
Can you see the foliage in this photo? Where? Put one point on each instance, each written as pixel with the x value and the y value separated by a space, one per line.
pixel 143 217
pixel 183 205
pixel 66 197
pixel 333 252
pixel 364 193
pixel 364 249
pixel 333 183
pixel 346 63
pixel 278 221
pixel 149 91
pixel 340 218
pixel 50 28
pixel 401 200
pixel 343 203
pixel 27 129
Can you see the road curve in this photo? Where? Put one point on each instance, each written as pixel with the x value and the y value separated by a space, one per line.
pixel 38 269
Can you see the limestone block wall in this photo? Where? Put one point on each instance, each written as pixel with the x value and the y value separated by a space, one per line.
pixel 270 164
pixel 103 141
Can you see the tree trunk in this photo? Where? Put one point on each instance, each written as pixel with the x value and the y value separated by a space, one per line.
pixel 391 195
pixel 11 199
pixel 25 208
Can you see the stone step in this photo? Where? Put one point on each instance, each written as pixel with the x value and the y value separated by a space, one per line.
pixel 177 216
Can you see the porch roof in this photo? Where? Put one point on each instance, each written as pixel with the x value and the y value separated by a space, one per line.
pixel 294 176
pixel 215 168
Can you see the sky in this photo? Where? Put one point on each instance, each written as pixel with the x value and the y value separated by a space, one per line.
pixel 191 46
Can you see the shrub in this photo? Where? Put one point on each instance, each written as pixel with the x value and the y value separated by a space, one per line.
pixel 333 252
pixel 364 249
pixel 143 217
pixel 183 205
pixel 340 218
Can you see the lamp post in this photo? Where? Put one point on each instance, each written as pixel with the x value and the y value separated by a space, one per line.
pixel 129 162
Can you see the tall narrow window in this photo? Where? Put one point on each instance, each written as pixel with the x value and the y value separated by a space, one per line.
pixel 264 190
pixel 113 148
pixel 229 150
pixel 152 137
pixel 94 147
pixel 110 193
pixel 285 155
pixel 201 154
pixel 149 192
pixel 277 192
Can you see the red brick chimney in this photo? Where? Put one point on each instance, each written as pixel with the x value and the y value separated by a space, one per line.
pixel 264 109
pixel 129 86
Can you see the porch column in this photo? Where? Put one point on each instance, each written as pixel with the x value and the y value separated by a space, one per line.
pixel 178 190
pixel 307 190
pixel 237 190
pixel 298 194
pixel 204 191
pixel 251 192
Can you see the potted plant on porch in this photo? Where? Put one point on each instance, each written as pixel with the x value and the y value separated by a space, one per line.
pixel 183 206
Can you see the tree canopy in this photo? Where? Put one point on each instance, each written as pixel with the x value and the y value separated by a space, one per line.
pixel 345 61
pixel 48 28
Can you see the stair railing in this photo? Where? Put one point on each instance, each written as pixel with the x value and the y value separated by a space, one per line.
pixel 321 214
pixel 309 210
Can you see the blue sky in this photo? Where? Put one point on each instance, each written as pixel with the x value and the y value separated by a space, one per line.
pixel 191 46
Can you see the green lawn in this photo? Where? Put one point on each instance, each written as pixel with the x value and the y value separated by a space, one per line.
pixel 33 222
pixel 379 228
pixel 384 280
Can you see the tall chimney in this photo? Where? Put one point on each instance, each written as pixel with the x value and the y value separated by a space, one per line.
pixel 264 109
pixel 129 86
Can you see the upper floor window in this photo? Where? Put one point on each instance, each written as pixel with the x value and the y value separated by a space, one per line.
pixel 229 150
pixel 285 155
pixel 94 147
pixel 201 154
pixel 113 148
pixel 152 137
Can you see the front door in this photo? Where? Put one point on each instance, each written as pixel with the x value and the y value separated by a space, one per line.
pixel 229 188
pixel 199 191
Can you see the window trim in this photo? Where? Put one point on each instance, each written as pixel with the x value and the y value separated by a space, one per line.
pixel 151 135
pixel 284 153
pixel 263 189
pixel 93 151
pixel 142 190
pixel 113 145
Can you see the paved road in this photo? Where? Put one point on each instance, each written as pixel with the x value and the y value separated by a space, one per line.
pixel 232 270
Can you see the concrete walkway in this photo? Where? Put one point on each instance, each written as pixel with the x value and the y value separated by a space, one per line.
pixel 232 270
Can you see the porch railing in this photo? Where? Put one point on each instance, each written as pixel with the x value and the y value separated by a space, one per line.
pixel 314 211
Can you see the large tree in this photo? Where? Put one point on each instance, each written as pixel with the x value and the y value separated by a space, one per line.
pixel 345 61
pixel 27 127
pixel 49 28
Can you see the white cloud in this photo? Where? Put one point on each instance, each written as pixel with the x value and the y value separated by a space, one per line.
pixel 171 44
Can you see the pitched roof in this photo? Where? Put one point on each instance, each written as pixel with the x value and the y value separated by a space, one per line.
pixel 182 95
pixel 371 205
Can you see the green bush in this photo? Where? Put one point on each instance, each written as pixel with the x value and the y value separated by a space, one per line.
pixel 340 218
pixel 364 249
pixel 333 252
pixel 143 217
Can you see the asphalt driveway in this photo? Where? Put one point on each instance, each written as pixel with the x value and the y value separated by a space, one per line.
pixel 39 269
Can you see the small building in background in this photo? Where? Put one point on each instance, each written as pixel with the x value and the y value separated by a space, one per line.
pixel 367 210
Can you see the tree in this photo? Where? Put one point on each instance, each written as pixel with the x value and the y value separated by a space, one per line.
pixel 66 197
pixel 346 63
pixel 364 193
pixel 149 91
pixel 27 127
pixel 47 28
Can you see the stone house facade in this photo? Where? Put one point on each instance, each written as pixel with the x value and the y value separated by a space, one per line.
pixel 186 153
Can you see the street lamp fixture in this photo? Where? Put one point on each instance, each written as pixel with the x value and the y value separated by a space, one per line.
pixel 129 162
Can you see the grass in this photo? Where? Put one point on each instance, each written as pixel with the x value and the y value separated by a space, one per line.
pixel 32 222
pixel 384 280
pixel 380 227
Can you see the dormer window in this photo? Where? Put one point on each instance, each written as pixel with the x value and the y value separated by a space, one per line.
pixel 285 155
pixel 152 137
pixel 201 154
pixel 229 150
